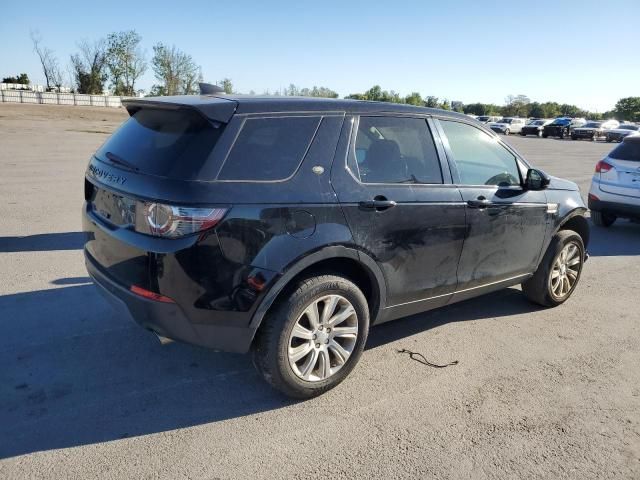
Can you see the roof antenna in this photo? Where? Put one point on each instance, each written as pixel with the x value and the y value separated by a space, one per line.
pixel 209 89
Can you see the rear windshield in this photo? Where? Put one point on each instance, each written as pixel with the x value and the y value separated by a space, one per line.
pixel 627 151
pixel 269 149
pixel 165 143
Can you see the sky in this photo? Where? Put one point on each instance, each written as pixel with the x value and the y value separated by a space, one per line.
pixel 578 52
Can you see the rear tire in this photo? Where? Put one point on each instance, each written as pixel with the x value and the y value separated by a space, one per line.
pixel 544 135
pixel 298 324
pixel 559 271
pixel 602 219
pixel 507 132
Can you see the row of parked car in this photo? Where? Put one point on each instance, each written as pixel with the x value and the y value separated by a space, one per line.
pixel 561 127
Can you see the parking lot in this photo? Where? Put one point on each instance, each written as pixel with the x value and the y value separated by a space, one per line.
pixel 86 394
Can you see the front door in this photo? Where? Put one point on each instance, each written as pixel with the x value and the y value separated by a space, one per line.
pixel 506 224
pixel 402 208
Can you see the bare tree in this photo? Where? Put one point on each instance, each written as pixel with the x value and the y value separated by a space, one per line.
pixel 89 66
pixel 48 61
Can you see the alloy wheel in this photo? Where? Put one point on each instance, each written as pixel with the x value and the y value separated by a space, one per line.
pixel 565 271
pixel 323 338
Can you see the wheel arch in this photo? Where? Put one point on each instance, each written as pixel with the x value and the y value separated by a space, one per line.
pixel 353 264
pixel 577 222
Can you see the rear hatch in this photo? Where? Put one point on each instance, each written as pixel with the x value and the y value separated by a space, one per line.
pixel 624 177
pixel 161 153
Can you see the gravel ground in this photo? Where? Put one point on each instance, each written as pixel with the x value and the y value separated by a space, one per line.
pixel 84 394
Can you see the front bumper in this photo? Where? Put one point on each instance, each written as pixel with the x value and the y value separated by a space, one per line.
pixel 624 210
pixel 168 319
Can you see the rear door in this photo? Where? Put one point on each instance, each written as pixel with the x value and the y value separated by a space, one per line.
pixel 506 224
pixel 402 208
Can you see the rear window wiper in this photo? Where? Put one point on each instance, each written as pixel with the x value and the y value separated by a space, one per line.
pixel 113 158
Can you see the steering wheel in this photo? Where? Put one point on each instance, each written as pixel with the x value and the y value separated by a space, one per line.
pixel 503 179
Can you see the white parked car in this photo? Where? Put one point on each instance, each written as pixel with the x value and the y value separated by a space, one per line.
pixel 615 187
pixel 508 125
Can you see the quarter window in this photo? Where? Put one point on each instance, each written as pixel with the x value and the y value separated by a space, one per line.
pixel 396 150
pixel 269 149
pixel 480 158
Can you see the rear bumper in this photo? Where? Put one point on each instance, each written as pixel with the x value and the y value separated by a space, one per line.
pixel 618 209
pixel 168 319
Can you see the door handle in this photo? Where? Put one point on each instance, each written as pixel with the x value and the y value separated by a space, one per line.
pixel 480 202
pixel 379 203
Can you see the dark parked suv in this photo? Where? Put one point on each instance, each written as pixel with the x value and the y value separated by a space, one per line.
pixel 289 226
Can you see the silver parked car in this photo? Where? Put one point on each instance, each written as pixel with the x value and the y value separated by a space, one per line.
pixel 624 130
pixel 508 125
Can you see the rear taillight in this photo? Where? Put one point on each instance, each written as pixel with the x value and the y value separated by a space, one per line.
pixel 603 167
pixel 171 221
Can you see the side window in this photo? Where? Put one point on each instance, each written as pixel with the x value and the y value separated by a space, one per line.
pixel 396 150
pixel 480 159
pixel 269 149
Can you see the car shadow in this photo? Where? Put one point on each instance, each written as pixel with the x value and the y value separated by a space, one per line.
pixel 621 239
pixel 74 374
pixel 43 242
pixel 502 303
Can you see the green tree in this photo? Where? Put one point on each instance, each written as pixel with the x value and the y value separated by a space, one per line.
pixel 445 105
pixel 432 102
pixel 22 79
pixel 414 99
pixel 176 71
pixel 89 67
pixel 457 106
pixel 482 109
pixel 125 61
pixel 628 109
pixel 226 84
pixel 516 106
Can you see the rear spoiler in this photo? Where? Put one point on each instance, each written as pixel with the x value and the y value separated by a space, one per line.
pixel 214 108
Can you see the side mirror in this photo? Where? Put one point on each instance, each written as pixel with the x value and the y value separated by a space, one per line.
pixel 536 180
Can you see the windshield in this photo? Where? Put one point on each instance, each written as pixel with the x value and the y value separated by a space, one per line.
pixel 561 121
pixel 593 125
pixel 506 120
pixel 627 151
pixel 628 127
pixel 483 118
pixel 537 122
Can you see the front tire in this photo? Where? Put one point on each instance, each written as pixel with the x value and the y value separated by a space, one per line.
pixel 507 132
pixel 559 272
pixel 314 337
pixel 602 219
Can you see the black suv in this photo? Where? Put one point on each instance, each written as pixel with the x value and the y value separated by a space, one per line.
pixel 289 226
